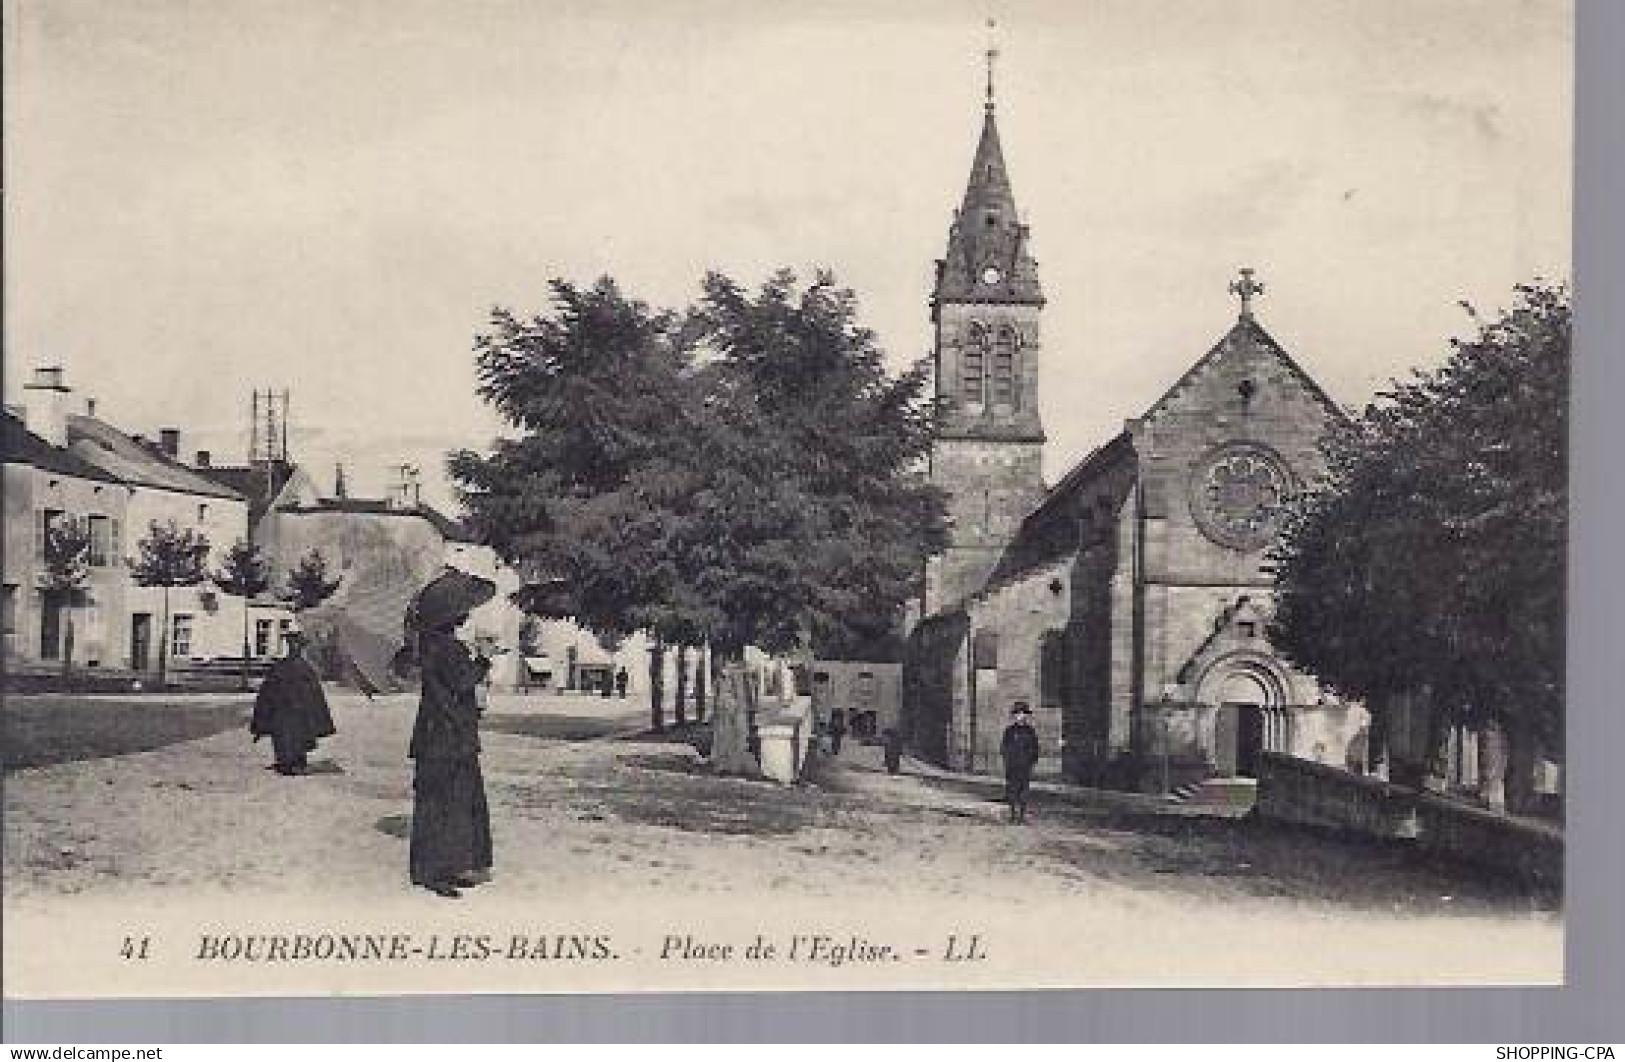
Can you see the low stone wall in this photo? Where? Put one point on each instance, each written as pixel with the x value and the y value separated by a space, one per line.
pixel 1531 850
pixel 1313 794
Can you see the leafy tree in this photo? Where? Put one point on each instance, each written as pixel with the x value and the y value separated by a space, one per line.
pixel 170 556
pixel 67 573
pixel 243 573
pixel 1431 556
pixel 741 474
pixel 586 500
pixel 308 584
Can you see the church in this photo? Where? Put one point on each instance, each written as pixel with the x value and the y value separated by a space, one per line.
pixel 1127 605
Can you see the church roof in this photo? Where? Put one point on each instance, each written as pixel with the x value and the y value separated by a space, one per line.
pixel 1246 328
pixel 1121 447
pixel 987 233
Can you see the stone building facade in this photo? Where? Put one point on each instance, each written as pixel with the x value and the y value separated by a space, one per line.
pixel 1128 605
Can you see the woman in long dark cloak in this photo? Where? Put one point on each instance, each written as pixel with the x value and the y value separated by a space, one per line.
pixel 451 824
pixel 291 709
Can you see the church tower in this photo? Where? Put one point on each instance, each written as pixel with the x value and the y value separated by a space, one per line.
pixel 985 310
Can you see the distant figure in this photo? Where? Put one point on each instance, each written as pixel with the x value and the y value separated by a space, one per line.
pixel 894 749
pixel 620 683
pixel 291 708
pixel 451 822
pixel 1019 747
pixel 837 730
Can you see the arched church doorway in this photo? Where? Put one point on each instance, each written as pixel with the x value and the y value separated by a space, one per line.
pixel 1250 720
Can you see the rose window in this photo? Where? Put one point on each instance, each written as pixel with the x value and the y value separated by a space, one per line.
pixel 1237 497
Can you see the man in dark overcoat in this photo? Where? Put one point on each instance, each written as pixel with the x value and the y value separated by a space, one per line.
pixel 291 708
pixel 1019 748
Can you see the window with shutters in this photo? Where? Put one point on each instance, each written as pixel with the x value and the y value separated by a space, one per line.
pixel 101 541
pixel 975 370
pixel 985 649
pixel 1004 368
pixel 263 630
pixel 180 640
pixel 42 530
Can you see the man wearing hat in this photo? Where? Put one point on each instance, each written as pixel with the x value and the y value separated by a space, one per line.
pixel 451 822
pixel 291 708
pixel 1019 747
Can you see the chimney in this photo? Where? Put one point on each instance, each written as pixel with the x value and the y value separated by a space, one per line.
pixel 406 491
pixel 169 441
pixel 203 459
pixel 45 405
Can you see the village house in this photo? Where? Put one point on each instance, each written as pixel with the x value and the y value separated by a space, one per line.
pixel 81 466
pixel 45 483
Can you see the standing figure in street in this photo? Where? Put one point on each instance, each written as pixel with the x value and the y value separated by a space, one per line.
pixel 451 822
pixel 893 742
pixel 1019 747
pixel 837 730
pixel 291 709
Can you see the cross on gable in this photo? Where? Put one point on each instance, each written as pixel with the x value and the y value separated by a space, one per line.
pixel 1245 289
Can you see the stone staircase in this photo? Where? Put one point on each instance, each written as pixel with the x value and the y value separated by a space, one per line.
pixel 1232 793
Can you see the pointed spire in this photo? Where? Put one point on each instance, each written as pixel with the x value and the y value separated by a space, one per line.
pixel 989 184
pixel 987 257
pixel 992 55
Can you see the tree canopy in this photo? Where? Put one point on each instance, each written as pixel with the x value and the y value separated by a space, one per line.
pixel 308 584
pixel 171 555
pixel 243 571
pixel 67 556
pixel 742 472
pixel 1431 555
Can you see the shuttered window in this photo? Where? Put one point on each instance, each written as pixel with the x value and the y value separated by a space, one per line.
pixel 101 542
pixel 975 372
pixel 1004 368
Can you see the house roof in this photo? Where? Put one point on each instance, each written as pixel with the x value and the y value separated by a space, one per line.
pixel 23 447
pixel 251 482
pixel 449 529
pixel 136 463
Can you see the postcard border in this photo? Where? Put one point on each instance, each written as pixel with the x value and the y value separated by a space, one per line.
pixel 1596 878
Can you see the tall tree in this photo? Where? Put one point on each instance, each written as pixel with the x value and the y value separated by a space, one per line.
pixel 308 584
pixel 67 574
pixel 819 519
pixel 170 556
pixel 586 497
pixel 679 703
pixel 1430 559
pixel 243 573
pixel 742 474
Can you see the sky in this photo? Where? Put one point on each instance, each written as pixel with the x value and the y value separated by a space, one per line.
pixel 203 198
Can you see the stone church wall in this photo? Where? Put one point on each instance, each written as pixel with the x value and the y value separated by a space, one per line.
pixel 994 485
pixel 1009 627
pixel 1204 414
pixel 934 681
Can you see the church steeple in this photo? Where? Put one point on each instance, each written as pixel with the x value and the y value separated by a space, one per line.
pixel 988 258
pixel 985 306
